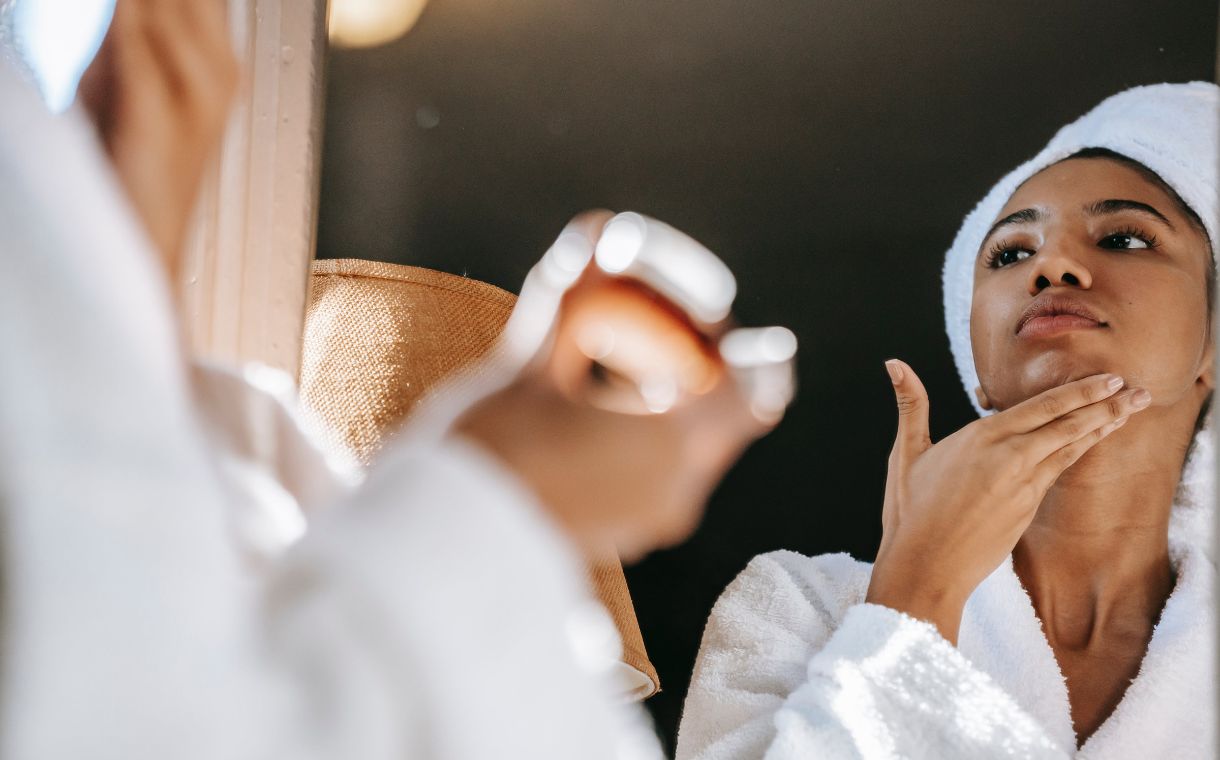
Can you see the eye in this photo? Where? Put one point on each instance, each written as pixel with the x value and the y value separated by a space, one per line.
pixel 1004 254
pixel 1125 241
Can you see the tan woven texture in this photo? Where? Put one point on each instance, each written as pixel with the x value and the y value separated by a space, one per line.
pixel 378 337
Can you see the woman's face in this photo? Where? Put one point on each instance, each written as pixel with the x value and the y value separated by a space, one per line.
pixel 1091 267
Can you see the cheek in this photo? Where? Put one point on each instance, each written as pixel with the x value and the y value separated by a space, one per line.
pixel 986 329
pixel 1164 331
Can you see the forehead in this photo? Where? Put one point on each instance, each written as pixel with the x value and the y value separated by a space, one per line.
pixel 1078 182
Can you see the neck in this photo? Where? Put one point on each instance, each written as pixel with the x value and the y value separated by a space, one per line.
pixel 1095 560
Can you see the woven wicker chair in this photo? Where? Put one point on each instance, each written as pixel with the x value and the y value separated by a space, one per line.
pixel 378 337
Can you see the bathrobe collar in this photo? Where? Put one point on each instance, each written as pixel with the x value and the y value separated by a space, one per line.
pixel 1002 635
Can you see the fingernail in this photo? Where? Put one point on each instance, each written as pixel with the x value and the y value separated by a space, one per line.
pixel 895 369
pixel 1114 383
pixel 1141 399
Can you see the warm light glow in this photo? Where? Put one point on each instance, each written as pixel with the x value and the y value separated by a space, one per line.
pixel 367 23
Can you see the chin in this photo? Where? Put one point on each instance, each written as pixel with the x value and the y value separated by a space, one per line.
pixel 1041 373
pixel 679 527
pixel 662 532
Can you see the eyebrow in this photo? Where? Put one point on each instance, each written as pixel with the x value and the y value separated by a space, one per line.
pixel 1097 208
pixel 1113 206
pixel 1024 216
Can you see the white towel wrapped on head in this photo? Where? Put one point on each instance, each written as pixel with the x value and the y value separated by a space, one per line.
pixel 1174 130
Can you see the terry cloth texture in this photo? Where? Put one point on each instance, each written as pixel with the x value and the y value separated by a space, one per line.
pixel 378 338
pixel 794 664
pixel 1174 130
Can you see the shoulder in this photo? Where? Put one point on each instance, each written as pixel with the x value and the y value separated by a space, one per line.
pixel 787 590
pixel 763 631
pixel 833 582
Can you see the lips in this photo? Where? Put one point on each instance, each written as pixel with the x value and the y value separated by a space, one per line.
pixel 1049 315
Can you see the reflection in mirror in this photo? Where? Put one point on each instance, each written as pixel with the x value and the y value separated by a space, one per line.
pixel 1055 555
pixel 828 154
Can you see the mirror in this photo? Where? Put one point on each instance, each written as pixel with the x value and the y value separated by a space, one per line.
pixel 828 152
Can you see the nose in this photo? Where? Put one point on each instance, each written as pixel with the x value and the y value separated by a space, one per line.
pixel 1058 264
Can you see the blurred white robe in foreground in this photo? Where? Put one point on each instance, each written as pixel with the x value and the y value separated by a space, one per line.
pixel 436 614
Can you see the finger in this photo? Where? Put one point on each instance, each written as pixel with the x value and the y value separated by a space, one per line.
pixel 568 259
pixel 1050 468
pixel 590 224
pixel 913 436
pixel 1083 422
pixel 1052 404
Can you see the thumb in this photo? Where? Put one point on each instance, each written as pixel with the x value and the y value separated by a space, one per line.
pixel 913 436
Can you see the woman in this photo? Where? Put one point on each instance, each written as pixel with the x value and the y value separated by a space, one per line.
pixel 1044 582
pixel 436 610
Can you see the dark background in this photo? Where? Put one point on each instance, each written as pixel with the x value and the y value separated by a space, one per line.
pixel 826 149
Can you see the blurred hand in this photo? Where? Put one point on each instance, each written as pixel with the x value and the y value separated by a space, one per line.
pixel 159 92
pixel 955 509
pixel 581 435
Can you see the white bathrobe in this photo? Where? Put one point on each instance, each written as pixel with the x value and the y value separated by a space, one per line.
pixel 794 664
pixel 435 612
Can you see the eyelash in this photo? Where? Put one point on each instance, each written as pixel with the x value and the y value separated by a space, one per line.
pixel 1000 246
pixel 1136 232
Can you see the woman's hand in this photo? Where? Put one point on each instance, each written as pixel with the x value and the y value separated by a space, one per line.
pixel 635 481
pixel 955 509
pixel 159 92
